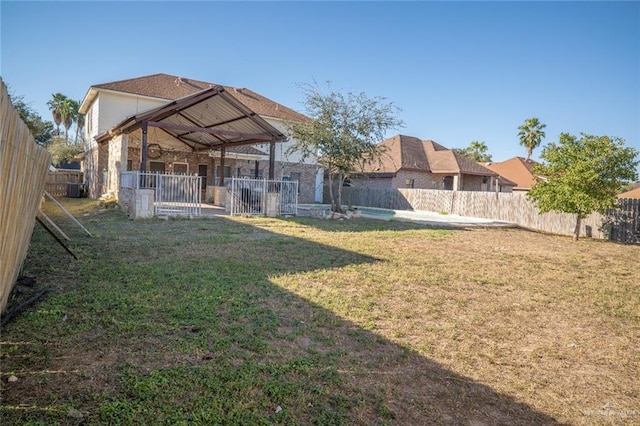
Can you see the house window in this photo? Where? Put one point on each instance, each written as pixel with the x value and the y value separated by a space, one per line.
pixel 227 171
pixel 409 183
pixel 447 183
pixel 156 166
pixel 180 168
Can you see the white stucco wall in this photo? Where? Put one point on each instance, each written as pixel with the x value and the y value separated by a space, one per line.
pixel 282 147
pixel 110 108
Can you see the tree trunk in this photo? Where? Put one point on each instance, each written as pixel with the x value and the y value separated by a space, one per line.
pixel 340 183
pixel 331 197
pixel 576 231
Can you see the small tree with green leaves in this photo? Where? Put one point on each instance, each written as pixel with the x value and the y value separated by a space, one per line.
pixel 477 151
pixel 62 151
pixel 342 134
pixel 583 175
pixel 41 130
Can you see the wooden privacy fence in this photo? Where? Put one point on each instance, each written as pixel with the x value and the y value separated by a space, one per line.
pixel 623 224
pixel 56 183
pixel 619 224
pixel 23 171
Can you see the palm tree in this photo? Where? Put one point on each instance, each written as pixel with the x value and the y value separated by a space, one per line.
pixel 57 99
pixel 477 151
pixel 68 112
pixel 531 134
pixel 80 121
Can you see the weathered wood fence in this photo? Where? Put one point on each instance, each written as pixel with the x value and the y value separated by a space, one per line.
pixel 620 224
pixel 623 224
pixel 23 170
pixel 56 183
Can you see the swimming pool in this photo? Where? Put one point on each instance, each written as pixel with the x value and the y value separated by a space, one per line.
pixel 420 216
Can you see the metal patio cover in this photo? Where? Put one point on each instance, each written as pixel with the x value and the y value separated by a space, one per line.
pixel 209 119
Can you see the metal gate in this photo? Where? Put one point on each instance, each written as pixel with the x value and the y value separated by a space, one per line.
pixel 263 197
pixel 175 195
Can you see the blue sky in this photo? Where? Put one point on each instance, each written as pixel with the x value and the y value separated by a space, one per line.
pixel 460 71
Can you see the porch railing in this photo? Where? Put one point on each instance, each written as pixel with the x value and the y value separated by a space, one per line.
pixel 175 195
pixel 263 197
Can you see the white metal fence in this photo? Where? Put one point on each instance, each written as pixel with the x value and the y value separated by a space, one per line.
pixel 175 195
pixel 263 197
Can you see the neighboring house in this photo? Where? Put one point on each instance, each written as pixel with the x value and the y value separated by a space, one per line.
pixel 518 170
pixel 634 193
pixel 409 162
pixel 189 127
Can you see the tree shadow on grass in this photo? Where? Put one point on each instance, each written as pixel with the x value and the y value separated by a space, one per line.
pixel 182 322
pixel 362 224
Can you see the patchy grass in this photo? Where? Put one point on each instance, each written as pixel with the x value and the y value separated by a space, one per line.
pixel 308 321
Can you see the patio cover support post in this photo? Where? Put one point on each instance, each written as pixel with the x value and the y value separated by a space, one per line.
pixel 143 154
pixel 272 155
pixel 222 152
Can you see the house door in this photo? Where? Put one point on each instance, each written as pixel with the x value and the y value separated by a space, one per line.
pixel 155 167
pixel 202 172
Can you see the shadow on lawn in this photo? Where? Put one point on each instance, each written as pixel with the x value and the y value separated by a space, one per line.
pixel 362 224
pixel 195 330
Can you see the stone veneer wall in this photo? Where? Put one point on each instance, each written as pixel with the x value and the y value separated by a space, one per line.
pixel 138 203
pixel 307 183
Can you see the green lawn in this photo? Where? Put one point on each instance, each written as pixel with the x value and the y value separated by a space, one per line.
pixel 310 321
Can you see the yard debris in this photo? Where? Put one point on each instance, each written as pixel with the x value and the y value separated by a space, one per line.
pixel 11 313
pixel 76 414
pixel 340 216
pixel 278 409
pixel 55 237
pixel 12 379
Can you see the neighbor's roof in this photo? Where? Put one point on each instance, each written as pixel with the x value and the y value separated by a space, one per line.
pixel 170 87
pixel 207 119
pixel 412 154
pixel 516 169
pixel 634 193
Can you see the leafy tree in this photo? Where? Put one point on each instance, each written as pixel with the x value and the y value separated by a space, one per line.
pixel 531 134
pixel 41 130
pixel 583 175
pixel 477 151
pixel 62 151
pixel 343 133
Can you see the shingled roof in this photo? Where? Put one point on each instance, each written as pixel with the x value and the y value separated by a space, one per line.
pixel 170 88
pixel 412 154
pixel 634 193
pixel 518 170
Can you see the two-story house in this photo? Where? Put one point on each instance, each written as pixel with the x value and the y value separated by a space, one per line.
pixel 170 124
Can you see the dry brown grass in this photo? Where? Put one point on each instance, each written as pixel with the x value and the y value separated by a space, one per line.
pixel 547 321
pixel 360 322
